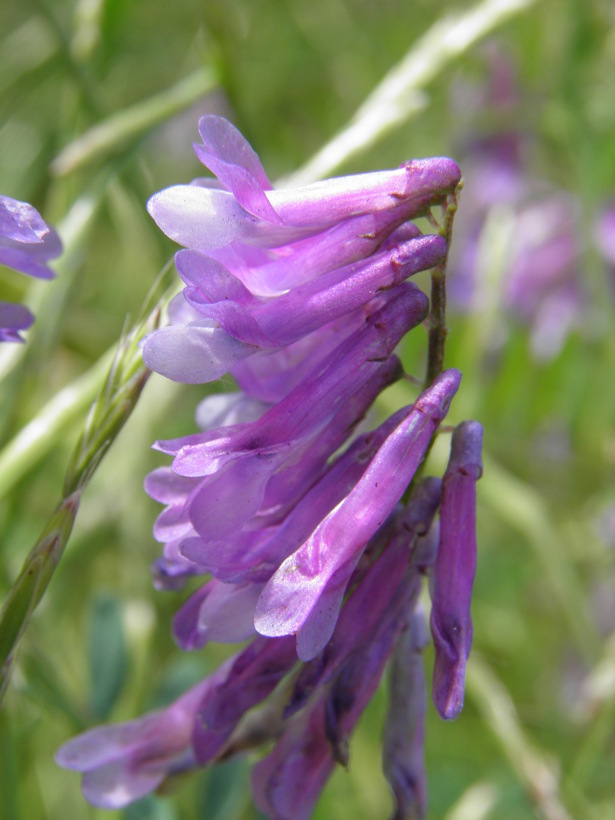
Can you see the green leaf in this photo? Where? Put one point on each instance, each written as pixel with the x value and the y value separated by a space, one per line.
pixel 107 653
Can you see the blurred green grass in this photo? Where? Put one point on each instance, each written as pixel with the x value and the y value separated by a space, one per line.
pixel 291 75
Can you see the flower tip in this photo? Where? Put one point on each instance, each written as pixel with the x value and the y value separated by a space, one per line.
pixel 448 688
pixel 439 174
pixel 466 449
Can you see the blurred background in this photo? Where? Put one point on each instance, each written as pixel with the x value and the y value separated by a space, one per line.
pixel 99 101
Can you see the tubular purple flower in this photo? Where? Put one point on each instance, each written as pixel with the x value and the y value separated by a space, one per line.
pixel 453 573
pixel 255 555
pixel 287 318
pixel 206 218
pixel 217 612
pixel 307 408
pixel 252 677
pixel 287 783
pixel 255 552
pixel 404 732
pixel 13 319
pixel 271 376
pixel 207 505
pixel 124 762
pixel 302 296
pixel 279 269
pixel 398 543
pixel 178 351
pixel 27 244
pixel 304 595
pixel 358 679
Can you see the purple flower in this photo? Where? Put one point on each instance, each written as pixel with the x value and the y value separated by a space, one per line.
pixel 13 319
pixel 453 575
pixel 27 244
pixel 404 732
pixel 304 595
pixel 287 783
pixel 126 761
pixel 266 268
pixel 243 208
pixel 282 499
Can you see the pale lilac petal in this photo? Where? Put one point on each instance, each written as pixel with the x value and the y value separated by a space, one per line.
pixel 117 784
pixel 218 613
pixel 317 628
pixel 193 354
pixel 224 409
pixel 13 319
pixel 231 158
pixel 203 219
pixel 212 279
pixel 167 487
pixel 27 243
pixel 226 501
pixel 224 144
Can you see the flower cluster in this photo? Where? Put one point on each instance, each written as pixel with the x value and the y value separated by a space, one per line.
pixel 27 244
pixel 282 502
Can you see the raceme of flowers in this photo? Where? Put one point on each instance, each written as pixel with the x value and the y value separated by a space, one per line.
pixel 27 244
pixel 283 502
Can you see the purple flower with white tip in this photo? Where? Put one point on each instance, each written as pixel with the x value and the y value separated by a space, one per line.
pixel 123 762
pixel 246 209
pixel 27 244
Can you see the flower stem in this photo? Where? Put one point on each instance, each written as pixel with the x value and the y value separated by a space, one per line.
pixel 115 402
pixel 436 320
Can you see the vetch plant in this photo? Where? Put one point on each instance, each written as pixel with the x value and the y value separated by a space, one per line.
pixel 27 244
pixel 312 532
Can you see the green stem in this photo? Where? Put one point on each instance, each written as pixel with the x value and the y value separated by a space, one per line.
pixel 436 321
pixel 536 773
pixel 133 123
pixel 38 437
pixel 522 509
pixel 116 400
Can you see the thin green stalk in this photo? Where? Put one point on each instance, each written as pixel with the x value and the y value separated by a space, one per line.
pixel 400 95
pixel 436 320
pixel 40 435
pixel 536 773
pixel 132 123
pixel 115 402
pixel 522 509
pixel 596 704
